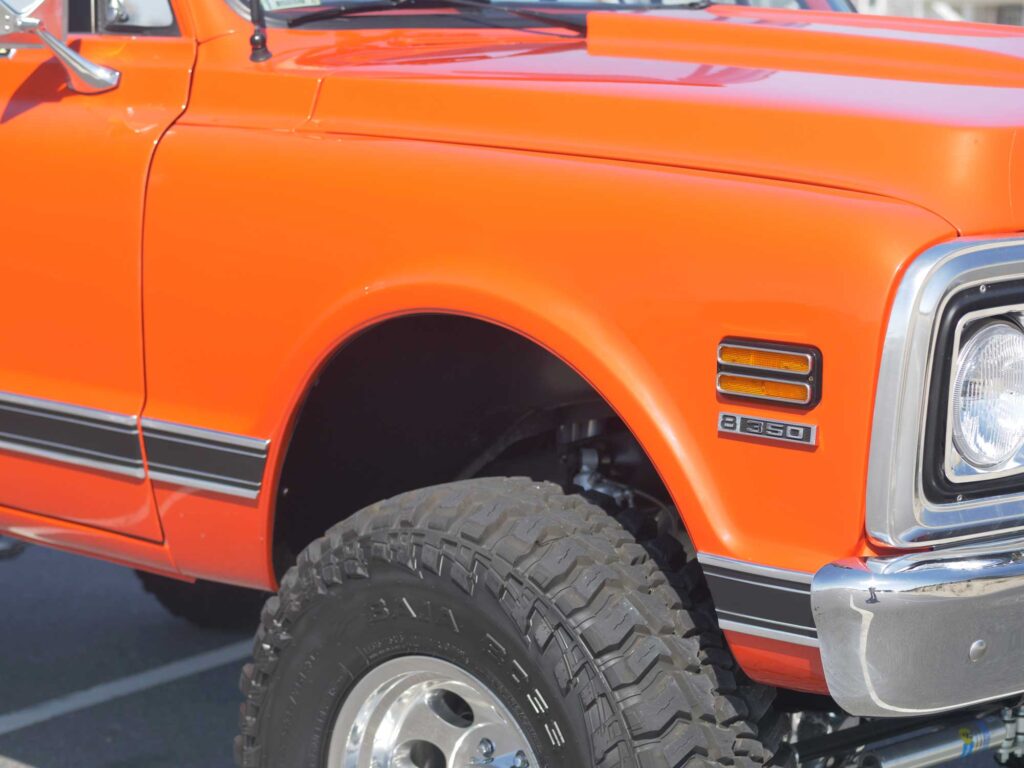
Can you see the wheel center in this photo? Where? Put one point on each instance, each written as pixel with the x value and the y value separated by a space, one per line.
pixel 422 712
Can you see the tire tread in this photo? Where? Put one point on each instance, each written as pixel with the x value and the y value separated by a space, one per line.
pixel 672 697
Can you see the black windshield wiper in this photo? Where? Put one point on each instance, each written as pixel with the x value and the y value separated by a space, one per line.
pixel 340 11
pixel 692 5
pixel 373 6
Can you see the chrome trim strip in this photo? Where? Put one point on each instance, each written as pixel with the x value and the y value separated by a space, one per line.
pixel 173 429
pixel 743 566
pixel 898 514
pixel 74 411
pixel 78 461
pixel 71 434
pixel 205 459
pixel 173 477
pixel 727 393
pixel 744 617
pixel 771 634
pixel 925 632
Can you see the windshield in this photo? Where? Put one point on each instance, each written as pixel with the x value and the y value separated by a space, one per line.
pixel 820 5
pixel 346 13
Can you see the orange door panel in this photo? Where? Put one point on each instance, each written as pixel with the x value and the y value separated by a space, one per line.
pixel 71 363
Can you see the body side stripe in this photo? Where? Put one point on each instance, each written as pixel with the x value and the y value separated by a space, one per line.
pixel 71 434
pixel 761 600
pixel 112 442
pixel 205 459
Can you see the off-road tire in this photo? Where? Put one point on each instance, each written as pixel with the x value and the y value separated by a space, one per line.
pixel 636 675
pixel 206 604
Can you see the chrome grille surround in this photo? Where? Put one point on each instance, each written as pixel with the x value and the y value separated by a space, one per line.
pixel 899 514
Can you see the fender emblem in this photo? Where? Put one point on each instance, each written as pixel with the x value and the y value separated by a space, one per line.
pixel 768 429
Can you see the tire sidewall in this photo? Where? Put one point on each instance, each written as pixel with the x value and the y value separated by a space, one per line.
pixel 497 628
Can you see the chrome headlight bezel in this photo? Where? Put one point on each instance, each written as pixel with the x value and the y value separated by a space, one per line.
pixel 973 330
pixel 946 476
pixel 910 502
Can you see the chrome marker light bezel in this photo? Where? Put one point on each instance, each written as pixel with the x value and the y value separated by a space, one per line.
pixel 899 513
pixel 810 380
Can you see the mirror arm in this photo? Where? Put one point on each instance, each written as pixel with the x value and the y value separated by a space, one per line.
pixel 84 76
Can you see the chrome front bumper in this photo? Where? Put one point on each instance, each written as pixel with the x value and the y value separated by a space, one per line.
pixel 925 632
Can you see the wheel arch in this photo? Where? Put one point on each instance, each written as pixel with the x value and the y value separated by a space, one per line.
pixel 588 346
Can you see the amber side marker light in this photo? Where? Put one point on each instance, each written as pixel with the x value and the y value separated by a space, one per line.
pixel 765 359
pixel 788 374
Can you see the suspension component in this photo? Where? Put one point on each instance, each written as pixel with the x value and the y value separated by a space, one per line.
pixel 953 741
pixel 590 479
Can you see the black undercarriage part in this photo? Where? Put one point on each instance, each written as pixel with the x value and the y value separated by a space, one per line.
pixel 10 548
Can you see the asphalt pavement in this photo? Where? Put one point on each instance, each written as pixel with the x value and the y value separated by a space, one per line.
pixel 95 674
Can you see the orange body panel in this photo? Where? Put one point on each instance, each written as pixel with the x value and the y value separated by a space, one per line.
pixel 649 351
pixel 87 540
pixel 71 308
pixel 71 305
pixel 773 662
pixel 625 201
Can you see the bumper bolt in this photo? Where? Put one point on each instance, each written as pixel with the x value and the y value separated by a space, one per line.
pixel 978 650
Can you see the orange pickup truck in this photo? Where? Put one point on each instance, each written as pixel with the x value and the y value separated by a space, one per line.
pixel 684 342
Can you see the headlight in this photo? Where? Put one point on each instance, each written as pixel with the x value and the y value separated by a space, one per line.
pixel 988 395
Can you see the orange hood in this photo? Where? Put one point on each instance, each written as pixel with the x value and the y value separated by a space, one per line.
pixel 927 112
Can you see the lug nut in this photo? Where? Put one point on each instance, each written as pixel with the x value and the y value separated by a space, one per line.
pixel 520 760
pixel 486 747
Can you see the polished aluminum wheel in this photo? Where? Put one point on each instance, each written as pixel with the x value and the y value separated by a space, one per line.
pixel 420 712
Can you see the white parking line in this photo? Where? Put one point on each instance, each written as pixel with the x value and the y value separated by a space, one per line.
pixel 125 686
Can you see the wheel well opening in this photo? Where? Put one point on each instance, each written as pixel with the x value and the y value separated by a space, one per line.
pixel 427 399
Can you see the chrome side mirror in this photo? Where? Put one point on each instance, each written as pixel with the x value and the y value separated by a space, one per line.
pixel 83 75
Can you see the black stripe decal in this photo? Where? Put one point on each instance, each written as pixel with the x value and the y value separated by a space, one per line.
pixel 205 459
pixel 760 600
pixel 71 434
pixel 112 442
